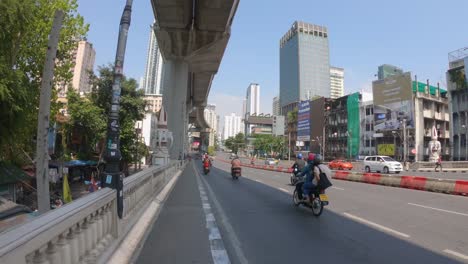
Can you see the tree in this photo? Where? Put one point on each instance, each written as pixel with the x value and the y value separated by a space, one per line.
pixel 132 108
pixel 24 27
pixel 268 144
pixel 235 143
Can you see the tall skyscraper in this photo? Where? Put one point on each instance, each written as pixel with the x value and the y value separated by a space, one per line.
pixel 212 120
pixel 232 125
pixel 154 67
pixel 84 57
pixel 244 107
pixel 276 106
pixel 253 99
pixel 387 70
pixel 304 63
pixel 336 82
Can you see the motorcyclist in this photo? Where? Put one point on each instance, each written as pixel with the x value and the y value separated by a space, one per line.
pixel 235 163
pixel 299 164
pixel 206 162
pixel 312 176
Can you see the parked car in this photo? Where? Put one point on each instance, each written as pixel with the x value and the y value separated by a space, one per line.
pixel 382 164
pixel 340 165
pixel 271 161
pixel 233 155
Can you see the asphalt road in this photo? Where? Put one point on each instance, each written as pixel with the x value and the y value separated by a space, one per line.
pixel 257 223
pixel 455 175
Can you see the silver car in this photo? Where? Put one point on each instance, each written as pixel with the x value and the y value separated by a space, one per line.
pixel 382 164
pixel 270 161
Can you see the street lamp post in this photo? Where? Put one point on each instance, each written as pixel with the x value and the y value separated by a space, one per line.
pixel 466 149
pixel 113 176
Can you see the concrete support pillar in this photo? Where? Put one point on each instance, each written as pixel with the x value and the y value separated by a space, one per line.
pixel 205 139
pixel 176 82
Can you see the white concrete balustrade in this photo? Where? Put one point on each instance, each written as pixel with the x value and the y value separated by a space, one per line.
pixel 86 230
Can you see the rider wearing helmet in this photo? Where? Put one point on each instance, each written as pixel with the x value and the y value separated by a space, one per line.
pixel 299 163
pixel 312 174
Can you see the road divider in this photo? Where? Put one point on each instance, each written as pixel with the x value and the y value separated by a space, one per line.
pixel 456 187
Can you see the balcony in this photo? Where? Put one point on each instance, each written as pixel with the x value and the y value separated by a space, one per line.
pixel 447 117
pixel 427 113
pixel 438 116
pixel 447 134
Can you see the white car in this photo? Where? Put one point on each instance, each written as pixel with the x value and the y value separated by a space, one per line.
pixel 382 164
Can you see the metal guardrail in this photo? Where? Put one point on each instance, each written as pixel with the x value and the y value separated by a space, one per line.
pixel 84 230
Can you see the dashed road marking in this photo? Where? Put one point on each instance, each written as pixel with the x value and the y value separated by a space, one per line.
pixel 456 254
pixel 218 251
pixel 437 209
pixel 338 188
pixel 381 227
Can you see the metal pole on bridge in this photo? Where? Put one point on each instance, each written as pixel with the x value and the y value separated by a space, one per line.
pixel 42 162
pixel 113 175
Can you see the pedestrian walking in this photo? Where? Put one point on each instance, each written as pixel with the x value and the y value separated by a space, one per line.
pixel 438 164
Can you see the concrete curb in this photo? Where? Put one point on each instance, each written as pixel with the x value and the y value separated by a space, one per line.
pixel 455 187
pixel 129 248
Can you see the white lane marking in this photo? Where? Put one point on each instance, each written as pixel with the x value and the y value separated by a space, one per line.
pixel 437 209
pixel 284 190
pixel 459 255
pixel 218 251
pixel 258 181
pixel 231 235
pixel 338 188
pixel 362 220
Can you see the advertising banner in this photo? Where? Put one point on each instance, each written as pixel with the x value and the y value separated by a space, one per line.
pixel 303 121
pixel 393 102
pixel 386 149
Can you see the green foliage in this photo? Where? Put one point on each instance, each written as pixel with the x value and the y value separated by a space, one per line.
pixel 235 143
pixel 132 108
pixel 458 77
pixel 292 116
pixel 24 29
pixel 211 150
pixel 268 144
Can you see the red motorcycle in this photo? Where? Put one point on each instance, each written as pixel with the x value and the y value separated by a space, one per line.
pixel 236 173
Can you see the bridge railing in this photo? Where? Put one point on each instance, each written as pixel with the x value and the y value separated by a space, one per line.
pixel 88 229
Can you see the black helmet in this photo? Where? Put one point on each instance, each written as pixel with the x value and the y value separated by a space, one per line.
pixel 318 159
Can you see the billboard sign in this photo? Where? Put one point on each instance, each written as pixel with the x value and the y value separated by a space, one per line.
pixel 303 121
pixel 393 102
pixel 386 149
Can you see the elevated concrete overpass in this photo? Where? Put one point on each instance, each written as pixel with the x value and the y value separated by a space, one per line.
pixel 192 36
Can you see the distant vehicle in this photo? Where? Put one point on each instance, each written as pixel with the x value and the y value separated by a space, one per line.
pixel 340 165
pixel 232 156
pixel 271 161
pixel 382 164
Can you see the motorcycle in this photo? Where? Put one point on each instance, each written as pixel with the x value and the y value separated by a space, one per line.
pixel 236 173
pixel 317 199
pixel 206 169
pixel 294 179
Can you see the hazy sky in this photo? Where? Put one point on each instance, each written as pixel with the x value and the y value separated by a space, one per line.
pixel 415 35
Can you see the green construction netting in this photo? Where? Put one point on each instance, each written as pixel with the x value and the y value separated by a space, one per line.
pixel 353 124
pixel 422 86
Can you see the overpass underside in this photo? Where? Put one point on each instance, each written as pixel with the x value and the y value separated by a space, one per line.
pixel 192 36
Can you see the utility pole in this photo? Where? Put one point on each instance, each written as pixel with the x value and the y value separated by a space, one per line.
pixel 113 175
pixel 404 141
pixel 289 145
pixel 42 155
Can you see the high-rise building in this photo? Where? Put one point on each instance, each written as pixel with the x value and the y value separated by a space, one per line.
pixel 276 106
pixel 154 66
pixel 244 107
pixel 304 63
pixel 153 102
pixel 457 87
pixel 253 99
pixel 387 70
pixel 212 120
pixel 84 56
pixel 232 125
pixel 336 82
